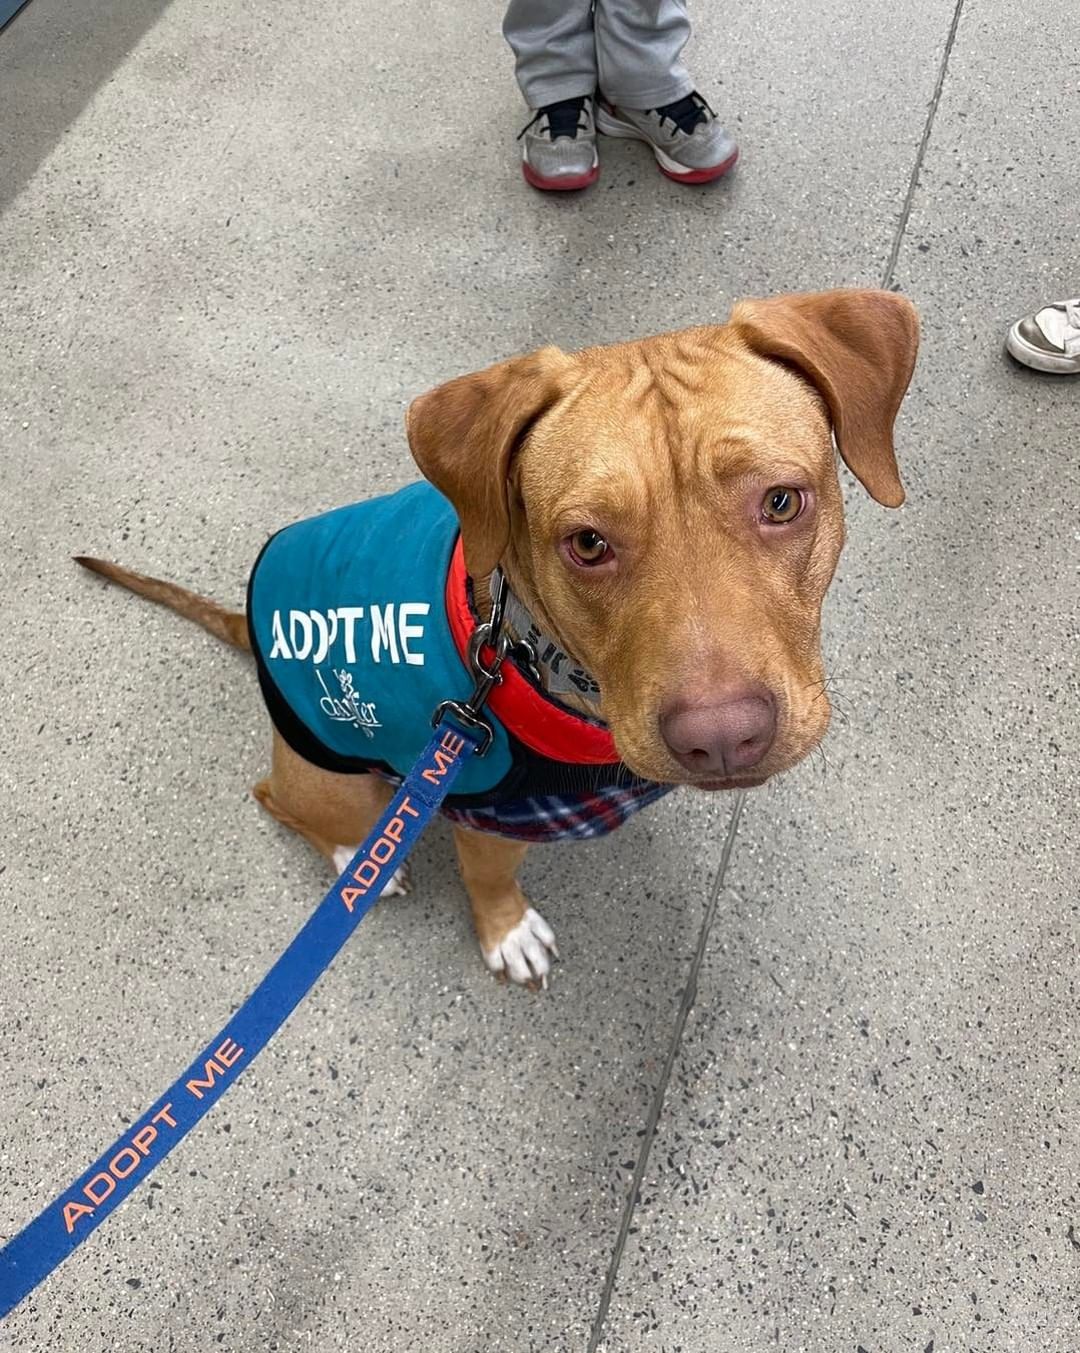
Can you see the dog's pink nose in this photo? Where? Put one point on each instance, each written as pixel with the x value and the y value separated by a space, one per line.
pixel 722 738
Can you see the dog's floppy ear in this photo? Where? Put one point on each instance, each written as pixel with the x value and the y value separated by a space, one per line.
pixel 463 435
pixel 858 348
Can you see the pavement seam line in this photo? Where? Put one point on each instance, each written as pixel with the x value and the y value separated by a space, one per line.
pixel 689 996
pixel 920 154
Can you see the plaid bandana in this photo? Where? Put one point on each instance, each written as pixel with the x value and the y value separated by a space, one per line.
pixel 556 817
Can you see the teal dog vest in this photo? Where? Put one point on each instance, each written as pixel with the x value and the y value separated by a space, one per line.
pixel 360 621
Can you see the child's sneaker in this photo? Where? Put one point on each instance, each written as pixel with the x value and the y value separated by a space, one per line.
pixel 688 141
pixel 558 153
pixel 1049 340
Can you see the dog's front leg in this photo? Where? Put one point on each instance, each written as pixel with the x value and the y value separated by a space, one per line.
pixel 515 940
pixel 334 812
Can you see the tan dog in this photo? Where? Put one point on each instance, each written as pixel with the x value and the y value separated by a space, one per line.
pixel 669 510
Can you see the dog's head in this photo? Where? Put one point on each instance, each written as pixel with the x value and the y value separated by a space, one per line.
pixel 670 511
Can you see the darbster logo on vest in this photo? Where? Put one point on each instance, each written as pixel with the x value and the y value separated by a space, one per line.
pixel 349 708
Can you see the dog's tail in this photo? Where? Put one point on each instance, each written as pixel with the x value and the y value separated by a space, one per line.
pixel 230 626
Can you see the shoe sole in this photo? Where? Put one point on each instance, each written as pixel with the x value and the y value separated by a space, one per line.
pixel 562 183
pixel 611 126
pixel 1025 353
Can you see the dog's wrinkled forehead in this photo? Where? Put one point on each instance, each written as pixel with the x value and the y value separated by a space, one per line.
pixel 855 349
pixel 671 415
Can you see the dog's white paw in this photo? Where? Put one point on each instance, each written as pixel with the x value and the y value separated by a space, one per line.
pixel 399 883
pixel 524 954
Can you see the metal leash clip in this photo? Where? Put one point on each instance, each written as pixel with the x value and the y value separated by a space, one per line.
pixel 488 634
pixel 522 651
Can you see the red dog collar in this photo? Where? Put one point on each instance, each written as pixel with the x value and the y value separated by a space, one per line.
pixel 532 716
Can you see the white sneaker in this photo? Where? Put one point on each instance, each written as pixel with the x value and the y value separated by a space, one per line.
pixel 686 137
pixel 1049 340
pixel 559 147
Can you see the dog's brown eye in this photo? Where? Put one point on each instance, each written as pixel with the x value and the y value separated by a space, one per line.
pixel 588 547
pixel 781 505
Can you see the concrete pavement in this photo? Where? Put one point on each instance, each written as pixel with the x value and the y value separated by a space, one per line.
pixel 236 240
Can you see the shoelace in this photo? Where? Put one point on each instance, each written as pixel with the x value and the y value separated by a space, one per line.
pixel 1072 313
pixel 565 118
pixel 686 113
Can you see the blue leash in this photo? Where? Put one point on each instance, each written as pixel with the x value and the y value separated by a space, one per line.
pixel 69 1219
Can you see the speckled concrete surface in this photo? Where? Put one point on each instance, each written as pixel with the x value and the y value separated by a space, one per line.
pixel 235 241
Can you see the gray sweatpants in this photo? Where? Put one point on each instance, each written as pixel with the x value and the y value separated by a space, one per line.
pixel 629 48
